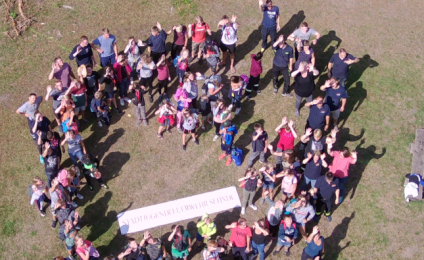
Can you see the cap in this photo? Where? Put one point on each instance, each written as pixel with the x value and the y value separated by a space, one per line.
pixel 208 41
pixel 227 123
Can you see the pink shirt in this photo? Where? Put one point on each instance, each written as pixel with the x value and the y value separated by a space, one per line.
pixel 255 67
pixel 287 185
pixel 286 141
pixel 340 166
pixel 181 93
pixel 163 72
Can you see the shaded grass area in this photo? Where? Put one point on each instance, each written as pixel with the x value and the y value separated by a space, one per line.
pixel 384 109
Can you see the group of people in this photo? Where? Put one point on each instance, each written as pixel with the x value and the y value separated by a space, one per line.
pixel 131 73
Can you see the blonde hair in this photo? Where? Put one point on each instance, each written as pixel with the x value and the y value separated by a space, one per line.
pixel 179 28
pixel 318 133
pixel 98 95
pixel 36 179
pixel 145 58
pixel 212 243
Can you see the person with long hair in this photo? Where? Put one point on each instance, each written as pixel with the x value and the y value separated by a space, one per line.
pixel 190 120
pixel 111 80
pixel 181 242
pixel 166 114
pixel 220 114
pixel 273 214
pixel 124 77
pixel 259 235
pixel 39 191
pixel 314 245
pixel 302 212
pixel 249 183
pixel 145 70
pixel 85 249
pixel 190 86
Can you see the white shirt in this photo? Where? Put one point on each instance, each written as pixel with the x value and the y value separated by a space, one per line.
pixel 229 34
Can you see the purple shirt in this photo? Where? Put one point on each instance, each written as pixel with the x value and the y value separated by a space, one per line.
pixel 63 74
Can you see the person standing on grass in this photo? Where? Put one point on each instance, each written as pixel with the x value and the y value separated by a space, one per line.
pixel 70 233
pixel 340 166
pixel 273 214
pixel 251 180
pixel 270 22
pixel 190 120
pixel 304 83
pixel 268 179
pixel 140 105
pixel 287 135
pixel 57 94
pixel 212 251
pixel 111 82
pixel 228 39
pixel 76 147
pixel 41 125
pixel 108 50
pixel 183 101
pixel 259 235
pixel 181 245
pixel 317 141
pixel 132 50
pixel 66 110
pixel 235 92
pixel 304 33
pixel 240 238
pixel 228 131
pixel 314 246
pixel 197 32
pixel 255 73
pixel 211 53
pixel 74 182
pixel 156 43
pixel 132 250
pixel 302 212
pixel 53 139
pixel 338 66
pixel 336 98
pixel 164 77
pixel 85 249
pixel 205 229
pixel 180 40
pixel 288 184
pixel 205 110
pixel 327 190
pixel 145 69
pixel 259 145
pixel 79 95
pixel 39 190
pixel 166 114
pixel 82 53
pixel 214 86
pixel 155 249
pixel 306 54
pixel 91 170
pixel 182 65
pixel 30 107
pixel 123 76
pixel 314 163
pixel 52 163
pixel 220 115
pixel 66 211
pixel 56 192
pixel 91 81
pixel 190 86
pixel 319 114
pixel 61 71
pixel 282 65
pixel 287 235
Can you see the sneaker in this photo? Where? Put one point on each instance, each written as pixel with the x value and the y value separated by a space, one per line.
pixel 238 111
pixel 118 111
pixel 329 218
pixel 287 253
pixel 90 188
pixel 184 147
pixel 121 102
pixel 128 100
pixel 230 107
pixel 100 124
pixel 54 223
pixel 262 49
pixel 210 122
pixel 151 99
pixel 229 161
pixel 275 252
pixel 215 138
pixel 222 156
pixel 263 162
pixel 253 207
pixel 287 95
pixel 258 92
pixel 297 113
pixel 169 131
pixel 41 159
pixel 180 129
pixel 275 91
pixel 73 204
pixel 138 123
pixel 105 186
pixel 248 97
pixel 79 196
pixel 42 213
pixel 243 210
pixel 203 127
pixel 146 123
pixel 262 201
pixel 196 142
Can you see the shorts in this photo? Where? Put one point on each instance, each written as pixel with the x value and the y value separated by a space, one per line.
pixel 110 95
pixel 213 67
pixel 78 109
pixel 281 243
pixel 166 122
pixel 192 131
pixel 300 224
pixel 226 148
pixel 199 237
pixel 335 114
pixel 205 113
pixel 53 211
pixel 231 48
pixel 69 247
pixel 286 193
pixel 268 185
pixel 197 45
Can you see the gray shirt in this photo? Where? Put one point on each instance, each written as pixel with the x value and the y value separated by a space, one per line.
pixel 74 144
pixel 191 89
pixel 190 122
pixel 106 45
pixel 301 213
pixel 304 36
pixel 274 219
pixel 57 194
pixel 30 109
pixel 57 96
pixel 145 71
pixel 214 58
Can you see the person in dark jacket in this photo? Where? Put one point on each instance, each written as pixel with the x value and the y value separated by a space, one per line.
pixel 139 105
pixel 286 235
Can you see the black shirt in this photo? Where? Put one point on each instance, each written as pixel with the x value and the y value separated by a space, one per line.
pixel 109 84
pixel 51 162
pixel 42 126
pixel 312 169
pixel 92 83
pixel 314 145
pixel 133 255
pixel 259 144
pixel 327 191
pixel 304 86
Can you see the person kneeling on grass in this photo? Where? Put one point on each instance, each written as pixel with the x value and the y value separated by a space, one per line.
pixel 190 120
pixel 139 105
pixel 228 131
pixel 249 183
pixel 205 229
pixel 286 235
pixel 91 170
pixel 166 114
pixel 101 109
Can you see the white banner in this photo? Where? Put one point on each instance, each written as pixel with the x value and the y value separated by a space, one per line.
pixel 174 211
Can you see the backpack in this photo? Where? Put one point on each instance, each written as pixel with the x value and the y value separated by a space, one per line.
pixel 93 107
pixel 210 80
pixel 29 190
pixel 245 80
pixel 244 83
pixel 175 61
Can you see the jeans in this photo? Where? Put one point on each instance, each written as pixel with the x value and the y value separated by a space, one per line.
pixel 40 201
pixel 253 155
pixel 109 59
pixel 342 82
pixel 258 249
pixel 342 182
pixel 78 154
pixel 50 177
pixel 299 100
pixel 236 99
pixel 217 127
pixel 305 183
pixel 268 31
pixel 123 87
pixel 140 111
pixel 247 196
pixel 176 50
pixel 277 71
pixel 239 251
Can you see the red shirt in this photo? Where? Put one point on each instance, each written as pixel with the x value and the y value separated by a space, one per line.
pixel 80 91
pixel 286 141
pixel 239 236
pixel 163 72
pixel 81 250
pixel 179 37
pixel 199 32
pixel 340 166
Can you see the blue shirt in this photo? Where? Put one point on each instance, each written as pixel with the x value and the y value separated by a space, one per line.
pixel 158 42
pixel 282 56
pixel 317 116
pixel 287 231
pixel 270 16
pixel 312 249
pixel 334 96
pixel 326 190
pixel 340 68
pixel 313 169
pixel 84 57
pixel 106 45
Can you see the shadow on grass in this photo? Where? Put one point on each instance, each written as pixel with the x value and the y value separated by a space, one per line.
pixel 357 69
pixel 332 243
pixel 97 218
pixel 323 52
pixel 245 138
pixel 357 95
